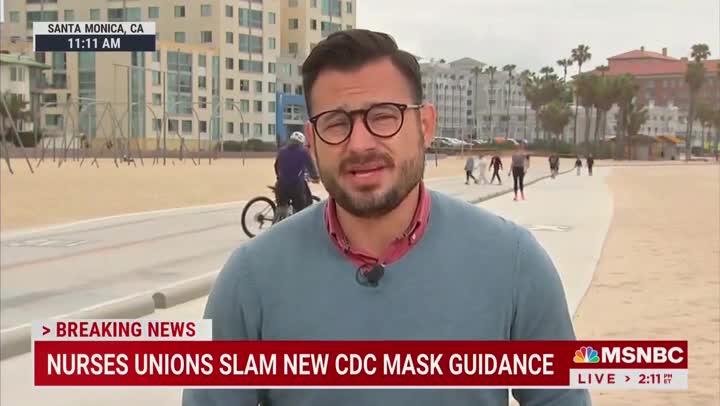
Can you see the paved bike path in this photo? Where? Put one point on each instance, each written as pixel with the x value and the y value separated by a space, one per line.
pixel 61 269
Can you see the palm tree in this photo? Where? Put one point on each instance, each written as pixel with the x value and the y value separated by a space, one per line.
pixel 581 54
pixel 634 118
pixel 716 124
pixel 555 117
pixel 705 116
pixel 565 64
pixel 605 96
pixel 626 90
pixel 694 77
pixel 532 92
pixel 585 89
pixel 491 70
pixel 522 82
pixel 508 100
pixel 546 71
pixel 602 69
pixel 476 71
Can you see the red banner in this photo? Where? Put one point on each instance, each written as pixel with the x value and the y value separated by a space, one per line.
pixel 354 363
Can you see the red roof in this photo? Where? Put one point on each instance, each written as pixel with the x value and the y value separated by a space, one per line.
pixel 640 54
pixel 673 67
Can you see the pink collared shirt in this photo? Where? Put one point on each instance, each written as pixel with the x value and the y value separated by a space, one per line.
pixel 399 247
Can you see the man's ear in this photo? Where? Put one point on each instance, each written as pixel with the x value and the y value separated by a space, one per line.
pixel 428 116
pixel 310 135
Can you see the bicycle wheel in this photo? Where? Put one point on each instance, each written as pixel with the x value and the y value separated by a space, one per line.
pixel 257 213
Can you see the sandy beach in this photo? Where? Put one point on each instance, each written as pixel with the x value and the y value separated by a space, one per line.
pixel 659 275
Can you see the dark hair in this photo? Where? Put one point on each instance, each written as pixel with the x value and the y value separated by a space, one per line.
pixel 351 49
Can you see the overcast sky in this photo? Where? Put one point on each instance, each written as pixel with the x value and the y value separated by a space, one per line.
pixel 535 33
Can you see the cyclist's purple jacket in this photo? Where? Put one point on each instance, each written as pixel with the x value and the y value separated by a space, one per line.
pixel 472 276
pixel 291 164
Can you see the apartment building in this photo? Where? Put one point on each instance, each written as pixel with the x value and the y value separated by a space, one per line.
pixel 19 75
pixel 463 100
pixel 213 75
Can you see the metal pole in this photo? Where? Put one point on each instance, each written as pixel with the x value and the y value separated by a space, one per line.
pixel 129 114
pixel 164 120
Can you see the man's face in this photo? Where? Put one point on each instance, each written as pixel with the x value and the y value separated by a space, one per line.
pixel 367 175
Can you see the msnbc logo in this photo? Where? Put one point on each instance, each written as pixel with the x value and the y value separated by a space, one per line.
pixel 586 355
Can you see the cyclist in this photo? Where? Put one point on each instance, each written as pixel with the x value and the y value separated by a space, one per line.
pixel 292 164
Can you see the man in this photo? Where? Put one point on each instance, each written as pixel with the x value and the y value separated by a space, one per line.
pixel 482 165
pixel 590 163
pixel 469 168
pixel 496 165
pixel 292 164
pixel 518 167
pixel 452 271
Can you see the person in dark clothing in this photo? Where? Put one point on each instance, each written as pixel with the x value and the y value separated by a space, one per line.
pixel 590 163
pixel 518 169
pixel 292 165
pixel 496 165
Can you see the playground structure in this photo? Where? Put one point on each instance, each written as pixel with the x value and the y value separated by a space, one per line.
pixel 69 142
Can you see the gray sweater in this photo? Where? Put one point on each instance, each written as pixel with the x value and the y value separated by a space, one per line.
pixel 473 276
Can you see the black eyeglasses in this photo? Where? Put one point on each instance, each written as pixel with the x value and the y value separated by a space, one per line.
pixel 382 120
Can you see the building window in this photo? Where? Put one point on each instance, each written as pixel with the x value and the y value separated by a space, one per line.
pixel 17 74
pixel 293 48
pixel 250 43
pixel 202 125
pixel 292 3
pixel 229 63
pixel 205 37
pixel 69 15
pixel 258 86
pixel 202 102
pixel 202 82
pixel 205 10
pixel 332 8
pixel 53 120
pixel 187 126
pixel 179 37
pixel 271 107
pixel 348 8
pixel 250 66
pixel 153 12
pixel 250 18
pixel 172 125
pixel 298 89
pixel 349 27
pixel 245 106
pixel 229 84
pixel 15 16
pixel 157 124
pixel 157 99
pixel 271 18
pixel 156 78
pixel 293 23
pixel 228 11
pixel 271 67
pixel 229 103
pixel 313 3
pixel 229 37
pixel 313 24
pixel 328 28
pixel 202 60
pixel 257 130
pixel 271 43
pixel 179 11
pixel 244 85
pixel 229 127
pixel 32 16
pixel 271 87
pixel 287 88
pixel 257 106
pixel 271 129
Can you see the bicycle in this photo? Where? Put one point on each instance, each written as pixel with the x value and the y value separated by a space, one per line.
pixel 267 213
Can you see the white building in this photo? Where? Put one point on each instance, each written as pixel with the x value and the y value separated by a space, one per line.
pixel 19 77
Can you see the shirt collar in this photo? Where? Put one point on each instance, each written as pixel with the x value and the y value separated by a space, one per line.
pixel 420 218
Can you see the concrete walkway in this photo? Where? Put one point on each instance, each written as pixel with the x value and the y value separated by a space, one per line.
pixel 48 272
pixel 570 217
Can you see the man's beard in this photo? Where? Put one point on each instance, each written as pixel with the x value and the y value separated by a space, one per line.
pixel 368 204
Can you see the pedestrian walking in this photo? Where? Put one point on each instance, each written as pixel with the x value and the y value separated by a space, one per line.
pixel 590 163
pixel 553 160
pixel 496 165
pixel 578 165
pixel 364 275
pixel 518 168
pixel 482 166
pixel 469 168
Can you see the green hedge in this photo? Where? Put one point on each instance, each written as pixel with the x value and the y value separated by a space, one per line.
pixel 254 145
pixel 27 138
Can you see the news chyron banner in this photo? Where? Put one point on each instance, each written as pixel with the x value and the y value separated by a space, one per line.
pixel 182 353
pixel 94 36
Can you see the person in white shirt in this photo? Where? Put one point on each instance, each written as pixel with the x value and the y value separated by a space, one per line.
pixel 482 165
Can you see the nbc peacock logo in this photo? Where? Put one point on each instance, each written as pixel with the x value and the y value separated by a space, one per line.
pixel 586 355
